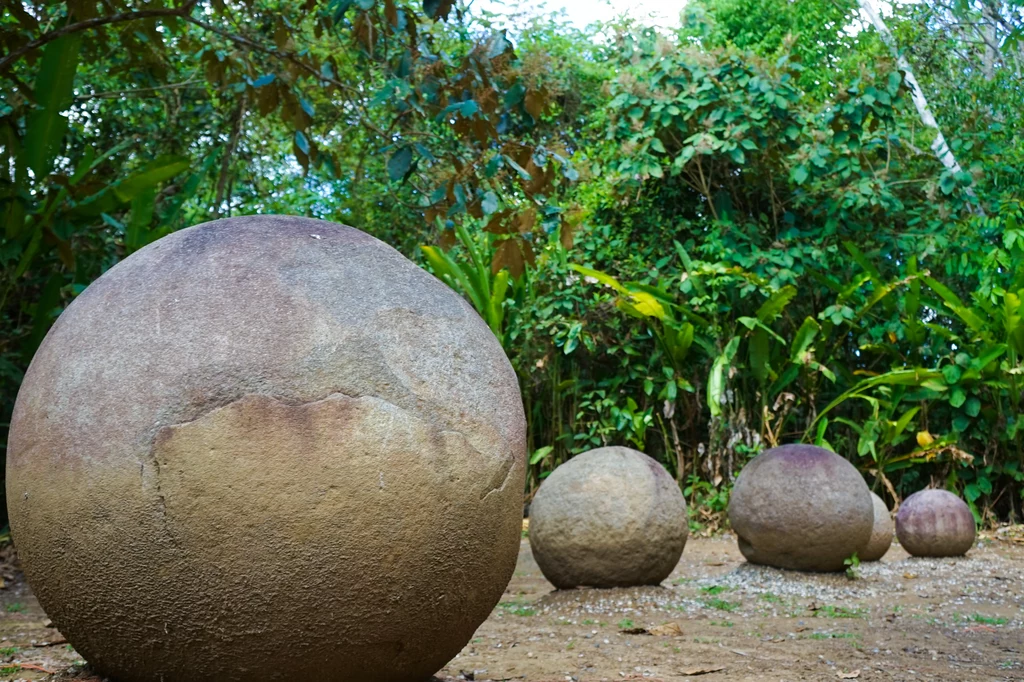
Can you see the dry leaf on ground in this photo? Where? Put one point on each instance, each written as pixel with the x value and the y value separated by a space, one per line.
pixel 667 630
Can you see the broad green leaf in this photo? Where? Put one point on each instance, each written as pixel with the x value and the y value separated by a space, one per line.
pixel 868 266
pixel 819 437
pixel 489 204
pixel 1013 319
pixel 539 454
pixel 302 142
pixel 898 377
pixel 904 421
pixel 682 339
pixel 399 164
pixel 719 373
pixel 803 339
pixel 988 356
pixel 953 302
pixel 758 350
pixel 151 175
pixel 973 407
pixel 775 304
pixel 646 304
pixel 141 216
pixel 496 302
pixel 601 277
pixel 45 126
pixel 455 276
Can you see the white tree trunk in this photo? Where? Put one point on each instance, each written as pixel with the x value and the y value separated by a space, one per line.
pixel 939 146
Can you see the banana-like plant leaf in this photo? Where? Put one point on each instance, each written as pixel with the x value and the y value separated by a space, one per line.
pixel 904 421
pixel 141 216
pixel 45 127
pixel 1013 319
pixel 758 351
pixel 775 304
pixel 496 302
pixel 979 363
pixel 540 453
pixel 953 302
pixel 601 277
pixel 646 304
pixel 916 376
pixel 804 338
pixel 719 373
pixel 151 175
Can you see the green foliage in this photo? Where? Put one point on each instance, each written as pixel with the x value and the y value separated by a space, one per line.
pixel 829 611
pixel 721 604
pixel 517 608
pixel 698 244
pixel 852 564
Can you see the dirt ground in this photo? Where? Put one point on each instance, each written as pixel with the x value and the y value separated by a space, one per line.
pixel 716 618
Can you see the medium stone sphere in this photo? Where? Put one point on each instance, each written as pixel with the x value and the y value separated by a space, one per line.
pixel 268 448
pixel 881 532
pixel 800 507
pixel 935 523
pixel 610 517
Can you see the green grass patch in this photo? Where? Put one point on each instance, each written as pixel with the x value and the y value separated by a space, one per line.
pixel 987 620
pixel 713 589
pixel 16 608
pixel 829 611
pixel 721 604
pixel 517 608
pixel 830 635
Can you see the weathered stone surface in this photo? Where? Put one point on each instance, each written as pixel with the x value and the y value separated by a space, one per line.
pixel 881 532
pixel 268 448
pixel 800 507
pixel 935 523
pixel 609 517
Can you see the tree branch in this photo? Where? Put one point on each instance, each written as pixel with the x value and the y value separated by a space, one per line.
pixel 136 91
pixel 94 23
pixel 293 59
pixel 229 153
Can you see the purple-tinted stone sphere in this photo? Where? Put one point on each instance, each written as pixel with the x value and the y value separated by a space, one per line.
pixel 935 523
pixel 801 507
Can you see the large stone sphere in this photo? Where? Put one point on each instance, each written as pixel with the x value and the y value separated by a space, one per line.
pixel 268 448
pixel 800 507
pixel 935 523
pixel 881 532
pixel 610 517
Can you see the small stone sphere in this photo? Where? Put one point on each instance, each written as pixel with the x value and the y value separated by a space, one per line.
pixel 800 507
pixel 935 523
pixel 610 517
pixel 268 448
pixel 881 532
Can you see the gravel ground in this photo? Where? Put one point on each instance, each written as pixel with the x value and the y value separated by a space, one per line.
pixel 902 618
pixel 716 617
